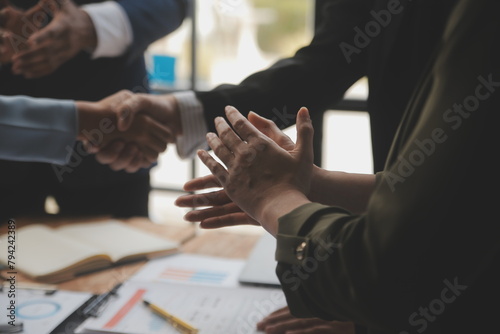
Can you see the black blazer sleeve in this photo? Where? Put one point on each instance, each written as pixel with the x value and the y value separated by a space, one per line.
pixel 315 77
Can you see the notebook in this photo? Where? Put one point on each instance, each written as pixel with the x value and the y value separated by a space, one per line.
pixel 53 255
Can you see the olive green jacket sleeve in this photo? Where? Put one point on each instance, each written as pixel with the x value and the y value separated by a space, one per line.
pixel 429 226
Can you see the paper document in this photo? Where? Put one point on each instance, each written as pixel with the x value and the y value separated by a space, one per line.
pixel 41 313
pixel 212 310
pixel 192 269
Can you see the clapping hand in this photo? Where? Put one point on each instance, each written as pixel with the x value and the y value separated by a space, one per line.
pixel 260 177
pixel 222 211
pixel 16 26
pixel 37 47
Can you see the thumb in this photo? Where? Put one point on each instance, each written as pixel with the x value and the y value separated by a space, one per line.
pixel 38 15
pixel 305 135
pixel 155 107
pixel 49 32
pixel 52 6
pixel 52 31
pixel 127 110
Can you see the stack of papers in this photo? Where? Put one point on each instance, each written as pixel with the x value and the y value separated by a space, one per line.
pixel 201 290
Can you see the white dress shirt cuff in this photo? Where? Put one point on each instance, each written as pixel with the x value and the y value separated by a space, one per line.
pixel 194 127
pixel 113 29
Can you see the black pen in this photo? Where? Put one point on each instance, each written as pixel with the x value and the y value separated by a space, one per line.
pixel 92 308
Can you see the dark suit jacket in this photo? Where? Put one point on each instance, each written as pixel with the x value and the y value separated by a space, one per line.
pixel 83 78
pixel 318 75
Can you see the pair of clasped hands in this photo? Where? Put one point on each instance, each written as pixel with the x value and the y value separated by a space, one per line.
pixel 263 175
pixel 37 41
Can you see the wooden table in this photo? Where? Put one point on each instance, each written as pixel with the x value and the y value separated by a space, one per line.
pixel 213 243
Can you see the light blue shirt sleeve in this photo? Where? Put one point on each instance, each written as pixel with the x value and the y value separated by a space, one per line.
pixel 37 130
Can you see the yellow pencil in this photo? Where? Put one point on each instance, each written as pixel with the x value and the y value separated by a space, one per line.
pixel 179 324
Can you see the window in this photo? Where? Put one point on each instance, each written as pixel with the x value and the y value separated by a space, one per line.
pixel 232 39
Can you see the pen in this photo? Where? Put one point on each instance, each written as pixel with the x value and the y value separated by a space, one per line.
pixel 179 324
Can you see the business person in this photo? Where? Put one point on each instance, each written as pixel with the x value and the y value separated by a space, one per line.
pixel 87 51
pixel 389 41
pixel 45 130
pixel 423 257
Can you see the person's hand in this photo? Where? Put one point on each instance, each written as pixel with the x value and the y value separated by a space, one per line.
pixel 261 178
pixel 222 211
pixel 162 108
pixel 70 31
pixel 16 26
pixel 142 142
pixel 283 322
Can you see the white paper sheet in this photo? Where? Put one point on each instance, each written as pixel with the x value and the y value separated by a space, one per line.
pixel 192 269
pixel 41 313
pixel 234 310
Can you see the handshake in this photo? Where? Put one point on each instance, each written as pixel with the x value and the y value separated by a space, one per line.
pixel 128 131
pixel 36 42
